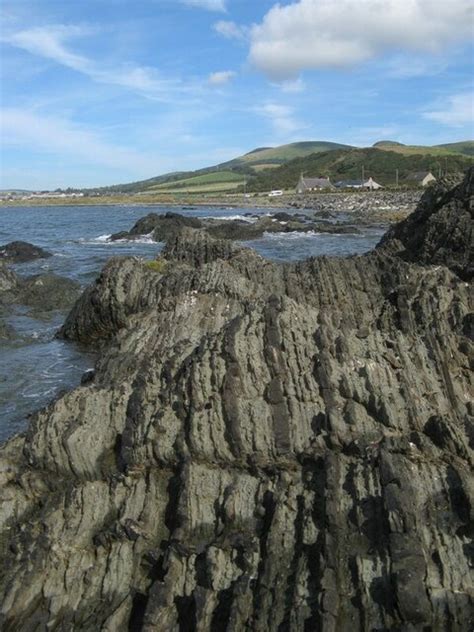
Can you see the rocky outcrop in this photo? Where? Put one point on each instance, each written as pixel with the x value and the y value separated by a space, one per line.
pixel 21 252
pixel 168 225
pixel 261 447
pixel 441 229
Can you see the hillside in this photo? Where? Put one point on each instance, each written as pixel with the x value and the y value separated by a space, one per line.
pixel 284 153
pixel 266 165
pixel 465 148
pixel 348 165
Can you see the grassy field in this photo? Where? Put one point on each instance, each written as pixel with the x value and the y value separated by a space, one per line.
pixel 209 182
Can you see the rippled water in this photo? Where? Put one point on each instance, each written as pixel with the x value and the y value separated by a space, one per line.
pixel 35 367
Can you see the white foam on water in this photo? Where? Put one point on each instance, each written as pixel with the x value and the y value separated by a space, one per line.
pixel 104 240
pixel 244 218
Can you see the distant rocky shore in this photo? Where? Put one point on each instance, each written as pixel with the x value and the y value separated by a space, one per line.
pixel 380 205
pixel 261 446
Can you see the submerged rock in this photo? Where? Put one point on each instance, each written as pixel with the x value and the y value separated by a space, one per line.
pixel 262 447
pixel 21 252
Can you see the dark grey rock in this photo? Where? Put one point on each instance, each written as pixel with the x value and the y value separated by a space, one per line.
pixel 21 252
pixel 48 292
pixel 440 231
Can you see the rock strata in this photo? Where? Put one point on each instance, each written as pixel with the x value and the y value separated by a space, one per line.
pixel 441 229
pixel 261 447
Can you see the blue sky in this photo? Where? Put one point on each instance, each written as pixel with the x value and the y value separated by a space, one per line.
pixel 98 92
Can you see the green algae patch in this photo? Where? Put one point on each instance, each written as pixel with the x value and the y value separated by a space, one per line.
pixel 157 265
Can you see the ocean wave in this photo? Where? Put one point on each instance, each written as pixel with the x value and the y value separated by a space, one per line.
pixel 244 218
pixel 301 234
pixel 104 240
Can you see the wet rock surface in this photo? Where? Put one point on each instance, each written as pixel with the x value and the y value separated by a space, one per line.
pixel 260 447
pixel 21 252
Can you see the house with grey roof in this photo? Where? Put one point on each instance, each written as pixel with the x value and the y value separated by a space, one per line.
pixel 306 185
pixel 422 178
pixel 369 184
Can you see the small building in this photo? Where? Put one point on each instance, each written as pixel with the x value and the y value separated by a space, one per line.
pixel 313 184
pixel 372 185
pixel 422 178
pixel 369 184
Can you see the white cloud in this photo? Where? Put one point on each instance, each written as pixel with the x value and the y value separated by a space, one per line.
pixel 210 5
pixel 221 77
pixel 25 128
pixel 230 30
pixel 322 33
pixel 49 43
pixel 456 111
pixel 281 117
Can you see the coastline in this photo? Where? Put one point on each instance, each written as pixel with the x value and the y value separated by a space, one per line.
pixel 386 206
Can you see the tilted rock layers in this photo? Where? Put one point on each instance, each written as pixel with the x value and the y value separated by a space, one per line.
pixel 262 447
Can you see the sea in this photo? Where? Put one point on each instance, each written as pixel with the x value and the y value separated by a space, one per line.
pixel 36 366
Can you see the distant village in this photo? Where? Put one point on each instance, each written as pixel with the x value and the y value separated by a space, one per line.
pixel 38 195
pixel 305 185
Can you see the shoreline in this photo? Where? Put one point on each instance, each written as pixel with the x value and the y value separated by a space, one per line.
pixel 373 206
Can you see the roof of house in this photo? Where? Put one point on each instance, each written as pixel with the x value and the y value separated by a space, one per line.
pixel 350 183
pixel 311 183
pixel 419 175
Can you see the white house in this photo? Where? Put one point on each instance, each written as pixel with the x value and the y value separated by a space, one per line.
pixel 372 185
pixel 422 178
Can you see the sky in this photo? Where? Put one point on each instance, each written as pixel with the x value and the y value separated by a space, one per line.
pixel 100 92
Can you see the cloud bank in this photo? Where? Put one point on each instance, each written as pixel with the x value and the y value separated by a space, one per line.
pixel 311 34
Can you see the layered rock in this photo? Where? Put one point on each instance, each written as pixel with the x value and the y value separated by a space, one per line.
pixel 441 229
pixel 261 447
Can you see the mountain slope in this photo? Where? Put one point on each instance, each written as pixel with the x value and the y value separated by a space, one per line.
pixel 350 164
pixel 284 153
pixel 322 157
pixel 465 148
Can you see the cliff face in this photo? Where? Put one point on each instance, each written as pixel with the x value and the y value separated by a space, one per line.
pixel 261 447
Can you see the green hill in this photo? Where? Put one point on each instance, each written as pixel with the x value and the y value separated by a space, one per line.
pixel 348 165
pixel 284 153
pixel 265 165
pixel 465 148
